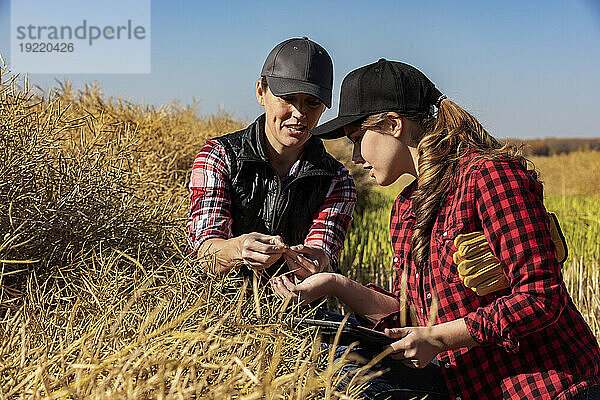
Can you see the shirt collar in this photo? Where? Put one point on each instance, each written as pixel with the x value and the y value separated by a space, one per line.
pixel 406 194
pixel 295 169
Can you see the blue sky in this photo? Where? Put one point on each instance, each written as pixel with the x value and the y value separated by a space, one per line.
pixel 524 68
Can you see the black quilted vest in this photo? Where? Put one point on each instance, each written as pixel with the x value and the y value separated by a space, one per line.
pixel 260 201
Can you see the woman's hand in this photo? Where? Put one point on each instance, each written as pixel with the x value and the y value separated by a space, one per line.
pixel 310 289
pixel 305 261
pixel 259 251
pixel 417 346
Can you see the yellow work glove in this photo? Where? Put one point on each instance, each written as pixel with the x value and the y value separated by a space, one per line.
pixel 558 239
pixel 480 270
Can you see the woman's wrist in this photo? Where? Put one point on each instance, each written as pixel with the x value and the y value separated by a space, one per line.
pixel 452 335
pixel 336 284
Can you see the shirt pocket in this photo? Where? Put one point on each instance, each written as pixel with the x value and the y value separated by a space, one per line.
pixel 444 241
pixel 401 240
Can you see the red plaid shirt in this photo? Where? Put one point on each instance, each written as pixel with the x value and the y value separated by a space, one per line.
pixel 210 200
pixel 534 344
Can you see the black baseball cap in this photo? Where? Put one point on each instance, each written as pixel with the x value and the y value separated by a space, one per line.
pixel 380 87
pixel 299 65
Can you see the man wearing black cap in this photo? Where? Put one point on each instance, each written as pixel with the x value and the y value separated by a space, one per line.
pixel 271 193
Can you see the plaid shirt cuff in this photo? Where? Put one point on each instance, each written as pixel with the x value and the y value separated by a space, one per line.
pixel 331 221
pixel 475 325
pixel 389 321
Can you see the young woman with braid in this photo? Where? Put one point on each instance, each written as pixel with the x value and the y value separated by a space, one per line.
pixel 506 326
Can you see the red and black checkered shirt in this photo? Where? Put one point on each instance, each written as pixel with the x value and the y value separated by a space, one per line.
pixel 534 344
pixel 210 201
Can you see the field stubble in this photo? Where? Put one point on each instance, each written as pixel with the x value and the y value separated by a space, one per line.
pixel 97 298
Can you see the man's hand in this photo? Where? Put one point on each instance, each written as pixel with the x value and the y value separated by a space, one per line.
pixel 312 288
pixel 259 251
pixel 416 347
pixel 305 261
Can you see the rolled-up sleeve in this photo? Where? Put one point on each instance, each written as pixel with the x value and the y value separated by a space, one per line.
pixel 210 199
pixel 331 221
pixel 391 320
pixel 509 202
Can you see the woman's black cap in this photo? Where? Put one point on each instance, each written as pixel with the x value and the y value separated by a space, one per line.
pixel 380 87
pixel 299 65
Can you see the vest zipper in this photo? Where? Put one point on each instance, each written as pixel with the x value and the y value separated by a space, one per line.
pixel 276 203
pixel 293 181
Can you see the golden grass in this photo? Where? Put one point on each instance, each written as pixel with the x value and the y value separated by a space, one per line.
pixel 97 299
pixel 573 174
pixel 164 332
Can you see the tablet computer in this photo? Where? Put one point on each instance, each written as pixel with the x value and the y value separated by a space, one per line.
pixel 351 332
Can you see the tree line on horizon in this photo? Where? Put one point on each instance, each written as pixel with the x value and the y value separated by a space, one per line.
pixel 555 146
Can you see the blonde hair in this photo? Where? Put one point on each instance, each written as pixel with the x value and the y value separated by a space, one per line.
pixel 443 141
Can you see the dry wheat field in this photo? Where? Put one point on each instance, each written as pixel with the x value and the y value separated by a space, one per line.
pixel 97 297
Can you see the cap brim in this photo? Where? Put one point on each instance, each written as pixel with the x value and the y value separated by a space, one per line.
pixel 284 86
pixel 335 128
